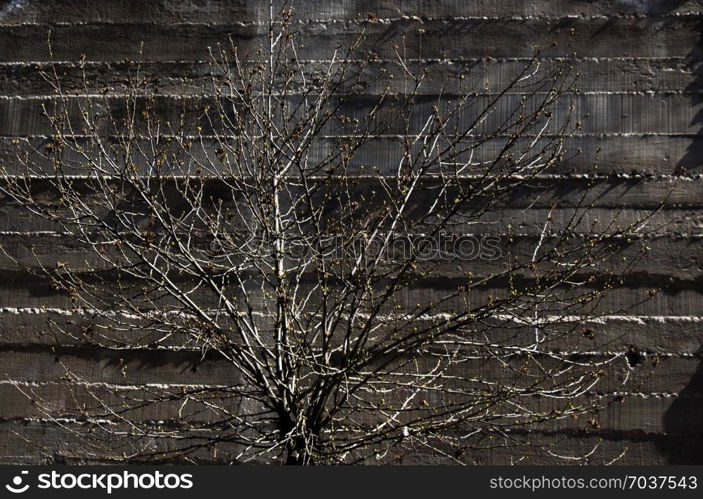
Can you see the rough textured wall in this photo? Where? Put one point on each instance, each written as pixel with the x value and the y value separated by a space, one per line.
pixel 640 107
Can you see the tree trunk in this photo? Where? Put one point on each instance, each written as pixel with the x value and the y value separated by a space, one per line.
pixel 297 452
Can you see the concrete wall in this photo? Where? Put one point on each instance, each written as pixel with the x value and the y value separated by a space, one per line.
pixel 640 104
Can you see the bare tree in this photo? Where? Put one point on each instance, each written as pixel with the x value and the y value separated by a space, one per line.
pixel 364 310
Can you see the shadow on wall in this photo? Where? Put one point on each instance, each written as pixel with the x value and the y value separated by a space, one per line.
pixel 682 442
pixel 683 421
pixel 692 161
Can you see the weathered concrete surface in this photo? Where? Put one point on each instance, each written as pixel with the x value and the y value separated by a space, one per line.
pixel 640 105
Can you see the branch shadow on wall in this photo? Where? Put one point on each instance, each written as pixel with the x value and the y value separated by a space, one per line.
pixel 692 161
pixel 682 439
pixel 683 420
